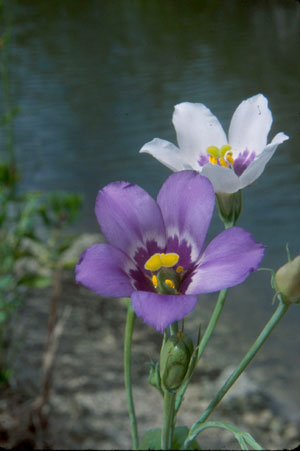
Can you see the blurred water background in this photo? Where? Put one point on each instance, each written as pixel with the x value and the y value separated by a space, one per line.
pixel 96 79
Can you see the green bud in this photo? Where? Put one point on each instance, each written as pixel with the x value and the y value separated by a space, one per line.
pixel 174 360
pixel 230 207
pixel 287 281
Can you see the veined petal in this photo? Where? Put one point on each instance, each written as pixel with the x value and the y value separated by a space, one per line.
pixel 104 269
pixel 159 311
pixel 256 168
pixel 187 201
pixel 250 125
pixel 227 261
pixel 129 218
pixel 196 129
pixel 167 153
pixel 224 180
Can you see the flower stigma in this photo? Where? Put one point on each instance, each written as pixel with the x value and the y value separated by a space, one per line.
pixel 221 156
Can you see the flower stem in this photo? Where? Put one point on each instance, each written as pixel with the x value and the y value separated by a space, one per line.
pixel 204 340
pixel 168 420
pixel 274 320
pixel 212 322
pixel 127 372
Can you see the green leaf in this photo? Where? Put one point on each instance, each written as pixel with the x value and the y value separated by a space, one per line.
pixel 152 439
pixel 242 437
pixel 35 281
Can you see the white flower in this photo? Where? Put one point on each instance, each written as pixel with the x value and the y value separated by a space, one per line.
pixel 230 164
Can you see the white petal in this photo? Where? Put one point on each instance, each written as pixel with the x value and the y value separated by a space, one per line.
pixel 250 125
pixel 224 180
pixel 256 168
pixel 197 128
pixel 167 153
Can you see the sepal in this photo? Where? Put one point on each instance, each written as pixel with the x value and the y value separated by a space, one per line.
pixel 230 207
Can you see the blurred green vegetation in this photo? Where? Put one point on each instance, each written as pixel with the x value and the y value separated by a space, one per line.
pixel 33 242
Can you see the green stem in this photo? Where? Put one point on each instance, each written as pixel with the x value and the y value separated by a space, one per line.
pixel 168 420
pixel 127 370
pixel 204 340
pixel 212 322
pixel 274 320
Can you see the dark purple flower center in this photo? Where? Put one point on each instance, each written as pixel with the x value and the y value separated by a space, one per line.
pixel 223 157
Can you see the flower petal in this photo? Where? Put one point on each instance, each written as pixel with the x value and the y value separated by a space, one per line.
pixel 187 201
pixel 129 218
pixel 166 153
pixel 104 269
pixel 227 261
pixel 256 168
pixel 196 129
pixel 224 180
pixel 250 125
pixel 159 311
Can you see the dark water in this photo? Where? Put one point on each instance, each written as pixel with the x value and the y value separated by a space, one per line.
pixel 97 79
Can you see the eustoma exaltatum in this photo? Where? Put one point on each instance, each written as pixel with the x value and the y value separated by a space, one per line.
pixel 230 163
pixel 155 252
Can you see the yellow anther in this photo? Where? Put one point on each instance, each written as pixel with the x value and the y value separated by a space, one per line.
pixel 213 151
pixel 213 160
pixel 223 162
pixel 153 263
pixel 154 281
pixel 224 149
pixel 169 259
pixel 170 283
pixel 156 261
pixel 179 269
pixel 229 158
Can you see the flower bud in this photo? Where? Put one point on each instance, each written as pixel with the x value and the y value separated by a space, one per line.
pixel 174 360
pixel 287 280
pixel 230 207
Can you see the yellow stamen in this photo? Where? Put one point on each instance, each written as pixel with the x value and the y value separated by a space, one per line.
pixel 223 162
pixel 156 261
pixel 179 269
pixel 229 158
pixel 154 281
pixel 213 151
pixel 169 259
pixel 224 149
pixel 169 283
pixel 213 160
pixel 153 263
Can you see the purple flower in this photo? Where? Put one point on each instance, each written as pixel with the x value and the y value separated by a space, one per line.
pixel 155 251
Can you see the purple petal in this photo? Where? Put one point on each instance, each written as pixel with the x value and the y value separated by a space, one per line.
pixel 227 261
pixel 187 201
pixel 104 269
pixel 159 310
pixel 129 217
